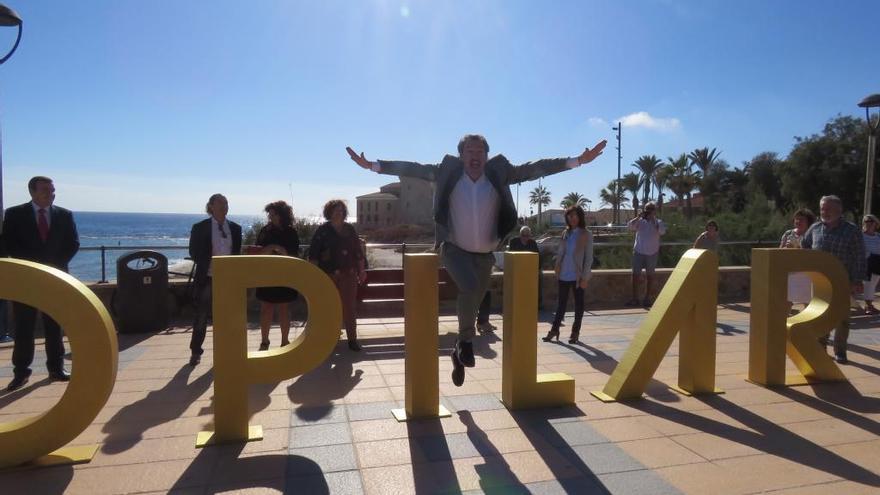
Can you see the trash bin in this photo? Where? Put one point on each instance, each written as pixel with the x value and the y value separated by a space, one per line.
pixel 141 301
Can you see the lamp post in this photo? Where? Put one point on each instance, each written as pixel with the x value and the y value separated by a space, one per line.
pixel 617 128
pixel 867 103
pixel 8 17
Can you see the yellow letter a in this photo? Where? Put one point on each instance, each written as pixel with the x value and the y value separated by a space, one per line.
pixel 687 306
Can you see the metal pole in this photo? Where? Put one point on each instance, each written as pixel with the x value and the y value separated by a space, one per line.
pixel 869 173
pixel 103 266
pixel 617 188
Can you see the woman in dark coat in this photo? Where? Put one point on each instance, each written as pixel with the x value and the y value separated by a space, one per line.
pixel 280 238
pixel 336 249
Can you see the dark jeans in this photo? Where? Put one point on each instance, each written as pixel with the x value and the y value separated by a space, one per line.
pixel 23 353
pixel 564 288
pixel 203 297
pixel 485 308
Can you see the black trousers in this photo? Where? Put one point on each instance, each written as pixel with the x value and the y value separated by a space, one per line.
pixel 485 308
pixel 203 299
pixel 562 303
pixel 23 353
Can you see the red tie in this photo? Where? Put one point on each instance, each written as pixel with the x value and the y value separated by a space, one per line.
pixel 43 225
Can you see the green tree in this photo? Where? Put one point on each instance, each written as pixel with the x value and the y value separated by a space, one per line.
pixel 661 181
pixel 648 165
pixel 539 196
pixel 573 199
pixel 632 182
pixel 612 195
pixel 683 181
pixel 829 163
pixel 763 173
pixel 704 160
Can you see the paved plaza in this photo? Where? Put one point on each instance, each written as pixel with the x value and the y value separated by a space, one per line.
pixel 331 430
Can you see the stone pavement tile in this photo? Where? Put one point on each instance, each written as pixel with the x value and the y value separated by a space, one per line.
pixel 343 482
pixel 768 472
pixel 368 395
pixel 482 402
pixel 713 447
pixel 150 450
pixel 152 476
pixel 569 433
pixel 378 429
pixel 492 386
pixel 322 434
pixel 239 468
pixel 275 418
pixel 787 412
pixel 659 452
pixel 865 454
pixel 251 487
pixel 604 458
pixel 584 485
pixel 328 413
pixel 274 440
pixel 513 440
pixel 703 478
pixel 623 429
pixel 831 431
pixel 398 480
pixel 324 459
pixel 388 452
pixel 470 387
pixel 447 447
pixel 373 410
pixel 643 481
pixel 847 487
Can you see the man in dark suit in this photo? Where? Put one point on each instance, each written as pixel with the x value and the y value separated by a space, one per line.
pixel 473 211
pixel 41 232
pixel 214 236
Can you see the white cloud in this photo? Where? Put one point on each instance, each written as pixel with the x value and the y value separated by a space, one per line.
pixel 644 119
pixel 597 122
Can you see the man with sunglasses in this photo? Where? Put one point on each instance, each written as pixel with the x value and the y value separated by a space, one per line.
pixel 214 236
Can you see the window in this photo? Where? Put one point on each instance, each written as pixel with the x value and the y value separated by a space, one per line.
pixel 387 206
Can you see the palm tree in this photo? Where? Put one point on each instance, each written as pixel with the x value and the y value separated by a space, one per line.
pixel 683 180
pixel 703 159
pixel 573 199
pixel 661 181
pixel 632 182
pixel 539 196
pixel 648 165
pixel 612 195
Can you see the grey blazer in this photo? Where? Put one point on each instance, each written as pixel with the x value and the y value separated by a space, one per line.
pixel 500 172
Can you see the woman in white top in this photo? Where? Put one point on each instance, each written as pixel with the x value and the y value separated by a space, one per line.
pixel 800 288
pixel 573 268
pixel 872 248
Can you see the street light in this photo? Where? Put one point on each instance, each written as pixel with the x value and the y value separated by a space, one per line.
pixel 616 205
pixel 867 103
pixel 8 17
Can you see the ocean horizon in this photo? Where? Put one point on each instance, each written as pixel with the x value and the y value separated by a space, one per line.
pixel 121 230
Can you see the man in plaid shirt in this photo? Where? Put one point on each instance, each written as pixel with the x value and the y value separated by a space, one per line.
pixel 844 240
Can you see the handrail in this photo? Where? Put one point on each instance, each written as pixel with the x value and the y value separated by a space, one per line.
pixel 404 248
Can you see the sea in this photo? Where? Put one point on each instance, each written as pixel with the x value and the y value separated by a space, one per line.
pixel 121 233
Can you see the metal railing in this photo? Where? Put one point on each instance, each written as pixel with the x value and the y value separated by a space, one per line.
pixel 403 247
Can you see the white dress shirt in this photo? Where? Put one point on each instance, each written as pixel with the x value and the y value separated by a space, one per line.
pixel 220 245
pixel 473 214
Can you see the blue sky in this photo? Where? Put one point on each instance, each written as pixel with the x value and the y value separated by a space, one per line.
pixel 153 106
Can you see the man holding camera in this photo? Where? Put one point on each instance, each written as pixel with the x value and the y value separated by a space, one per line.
pixel 646 249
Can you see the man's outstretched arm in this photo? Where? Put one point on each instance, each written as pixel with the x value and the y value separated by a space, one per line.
pixel 407 169
pixel 534 170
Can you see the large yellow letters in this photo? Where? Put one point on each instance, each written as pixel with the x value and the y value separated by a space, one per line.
pixel 234 367
pixel 686 306
pixel 773 334
pixel 421 299
pixel 521 386
pixel 92 339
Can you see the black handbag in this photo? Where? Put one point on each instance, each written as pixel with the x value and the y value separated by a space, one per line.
pixel 873 265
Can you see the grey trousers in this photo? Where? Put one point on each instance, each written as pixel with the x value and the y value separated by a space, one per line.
pixel 841 335
pixel 471 273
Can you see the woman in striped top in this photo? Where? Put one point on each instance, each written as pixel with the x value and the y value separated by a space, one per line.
pixel 872 248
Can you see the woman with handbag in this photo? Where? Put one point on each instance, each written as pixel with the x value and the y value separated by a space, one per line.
pixel 573 268
pixel 800 287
